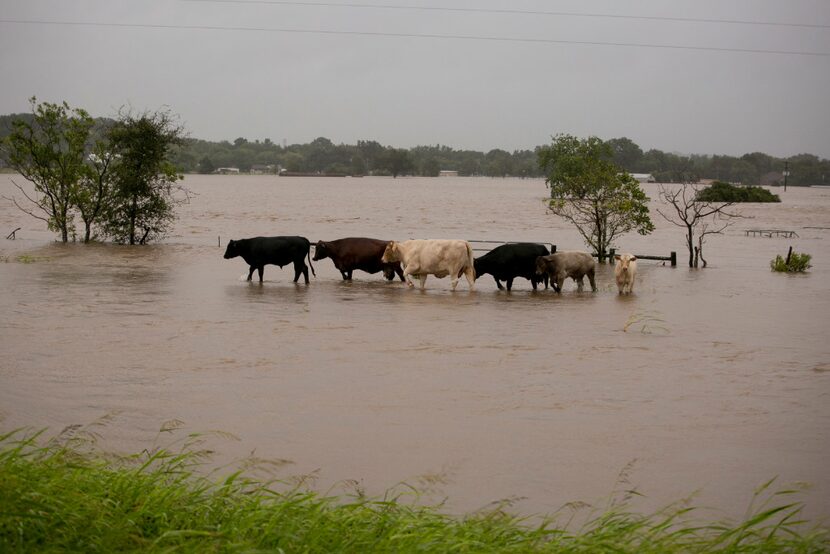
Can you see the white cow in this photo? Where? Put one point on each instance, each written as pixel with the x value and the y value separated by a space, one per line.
pixel 625 270
pixel 433 257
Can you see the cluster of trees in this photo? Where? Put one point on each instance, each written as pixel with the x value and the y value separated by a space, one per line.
pixel 371 158
pixel 756 168
pixel 367 157
pixel 112 175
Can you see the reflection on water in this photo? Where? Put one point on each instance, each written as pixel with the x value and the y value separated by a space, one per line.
pixel 719 385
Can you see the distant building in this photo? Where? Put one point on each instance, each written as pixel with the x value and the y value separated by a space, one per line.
pixel 448 173
pixel 260 169
pixel 644 177
pixel 227 170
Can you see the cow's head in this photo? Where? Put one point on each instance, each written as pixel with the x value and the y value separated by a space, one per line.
pixel 321 251
pixel 542 265
pixel 624 260
pixel 231 251
pixel 479 268
pixel 391 253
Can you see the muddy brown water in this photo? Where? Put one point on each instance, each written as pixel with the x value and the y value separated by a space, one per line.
pixel 704 381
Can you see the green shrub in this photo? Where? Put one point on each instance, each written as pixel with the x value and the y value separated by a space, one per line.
pixel 724 192
pixel 799 263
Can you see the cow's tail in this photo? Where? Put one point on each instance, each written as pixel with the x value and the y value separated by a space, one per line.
pixel 308 255
pixel 470 259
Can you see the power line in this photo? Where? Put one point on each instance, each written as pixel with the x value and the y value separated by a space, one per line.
pixel 409 35
pixel 518 12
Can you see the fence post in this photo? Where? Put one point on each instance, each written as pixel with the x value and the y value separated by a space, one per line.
pixel 673 258
pixel 611 253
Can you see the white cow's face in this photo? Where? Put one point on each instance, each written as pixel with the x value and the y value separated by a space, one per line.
pixel 624 260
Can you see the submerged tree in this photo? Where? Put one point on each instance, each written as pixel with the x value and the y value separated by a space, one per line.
pixel 588 190
pixel 699 218
pixel 145 182
pixel 49 150
pixel 94 192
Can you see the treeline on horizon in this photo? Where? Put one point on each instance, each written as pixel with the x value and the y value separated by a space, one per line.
pixel 369 157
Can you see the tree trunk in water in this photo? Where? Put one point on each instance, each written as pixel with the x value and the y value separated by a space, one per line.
pixel 690 245
pixel 133 209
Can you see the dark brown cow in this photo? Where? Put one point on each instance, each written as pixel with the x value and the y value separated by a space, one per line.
pixel 357 253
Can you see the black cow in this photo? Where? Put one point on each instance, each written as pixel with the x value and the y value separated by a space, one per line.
pixel 357 253
pixel 508 261
pixel 259 251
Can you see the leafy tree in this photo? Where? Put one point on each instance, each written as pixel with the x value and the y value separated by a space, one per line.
pixel 206 165
pixel 142 208
pixel 431 167
pixel 94 191
pixel 358 165
pixel 499 163
pixel 292 161
pixel 48 149
pixel 626 153
pixel 724 192
pixel 588 190
pixel 399 162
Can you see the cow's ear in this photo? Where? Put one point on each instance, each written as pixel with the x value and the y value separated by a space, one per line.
pixel 633 258
pixel 617 257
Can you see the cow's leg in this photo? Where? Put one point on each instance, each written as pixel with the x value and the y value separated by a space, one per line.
pixel 498 284
pixel 423 278
pixel 580 283
pixel 408 274
pixel 251 272
pixel 470 274
pixel 300 269
pixel 260 270
pixel 533 282
pixel 592 281
pixel 399 272
pixel 510 283
pixel 345 275
pixel 559 282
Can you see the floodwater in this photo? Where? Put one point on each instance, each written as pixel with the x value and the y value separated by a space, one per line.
pixel 704 381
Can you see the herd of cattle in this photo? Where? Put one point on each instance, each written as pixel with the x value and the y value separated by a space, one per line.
pixel 440 258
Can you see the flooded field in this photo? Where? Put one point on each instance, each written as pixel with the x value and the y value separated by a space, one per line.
pixel 709 381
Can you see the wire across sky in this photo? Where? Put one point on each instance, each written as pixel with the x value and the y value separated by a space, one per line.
pixel 407 35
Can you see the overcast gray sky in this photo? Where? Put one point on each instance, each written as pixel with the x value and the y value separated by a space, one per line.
pixel 362 80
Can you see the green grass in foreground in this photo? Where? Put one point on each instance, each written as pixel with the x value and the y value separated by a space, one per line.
pixel 62 495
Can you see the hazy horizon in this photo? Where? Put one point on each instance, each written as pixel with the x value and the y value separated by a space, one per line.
pixel 468 75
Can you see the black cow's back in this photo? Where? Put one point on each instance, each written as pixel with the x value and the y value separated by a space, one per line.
pixel 279 251
pixel 508 261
